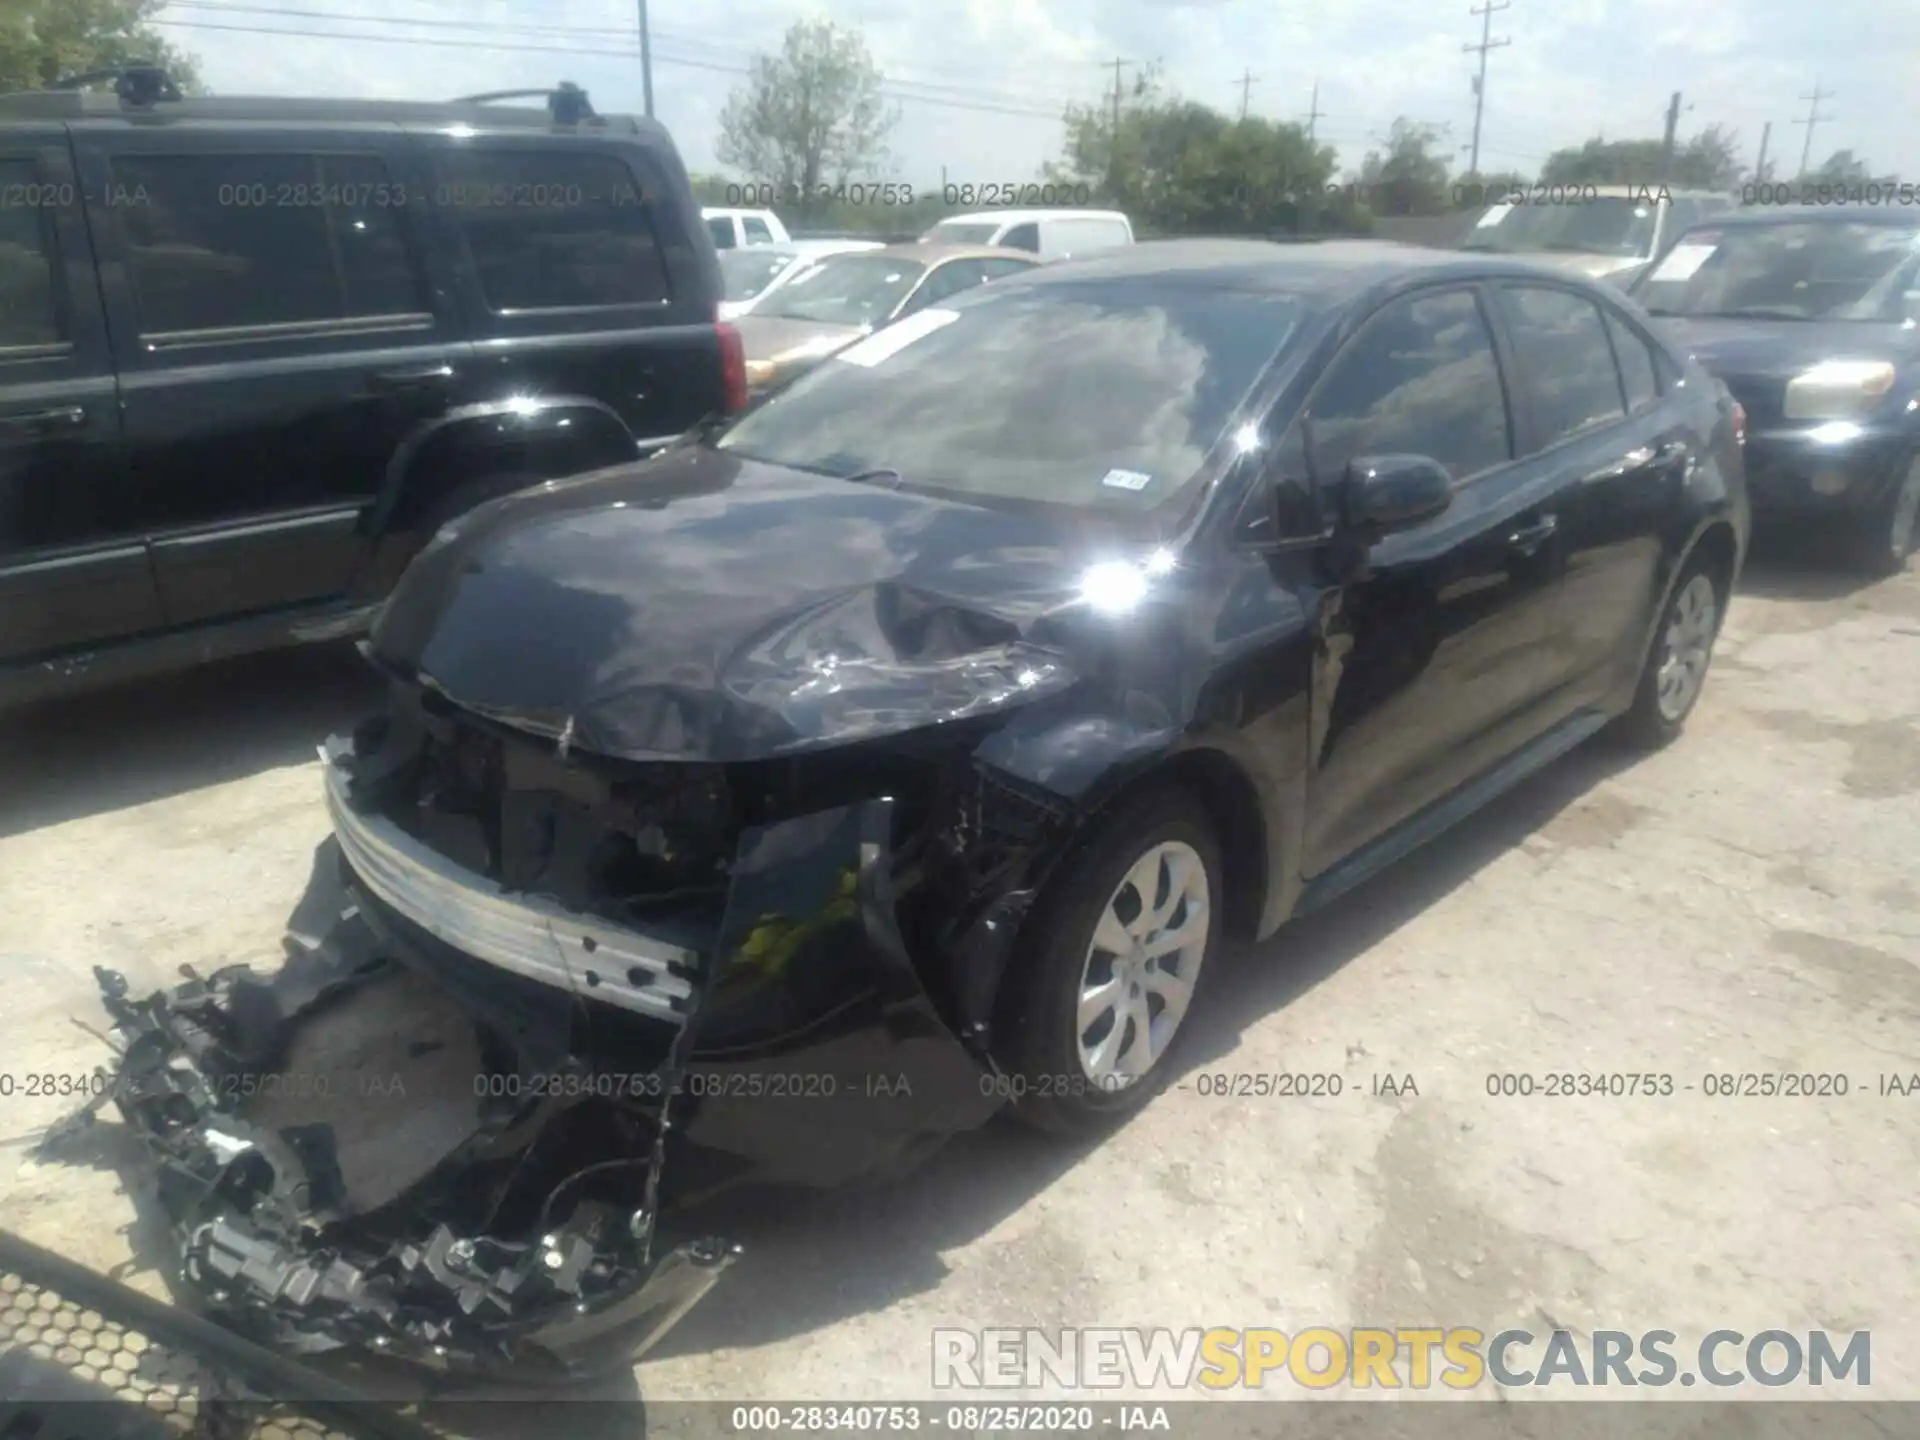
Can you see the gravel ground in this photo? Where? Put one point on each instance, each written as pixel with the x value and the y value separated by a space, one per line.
pixel 1746 901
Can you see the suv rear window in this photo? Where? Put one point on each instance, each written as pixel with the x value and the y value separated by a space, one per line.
pixel 553 229
pixel 221 241
pixel 27 315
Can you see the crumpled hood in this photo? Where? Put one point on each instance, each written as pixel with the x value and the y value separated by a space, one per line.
pixel 700 606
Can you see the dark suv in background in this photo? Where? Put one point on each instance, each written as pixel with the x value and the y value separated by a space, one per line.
pixel 254 351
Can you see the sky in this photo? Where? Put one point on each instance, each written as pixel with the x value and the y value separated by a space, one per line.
pixel 980 84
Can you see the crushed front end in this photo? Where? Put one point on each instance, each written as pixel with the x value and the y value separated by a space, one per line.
pixel 551 1001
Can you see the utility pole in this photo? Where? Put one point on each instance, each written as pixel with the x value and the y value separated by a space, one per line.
pixel 1113 135
pixel 1760 165
pixel 1814 117
pixel 1246 88
pixel 1667 143
pixel 1487 42
pixel 1313 111
pixel 646 59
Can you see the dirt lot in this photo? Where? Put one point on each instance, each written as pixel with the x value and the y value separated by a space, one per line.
pixel 1748 901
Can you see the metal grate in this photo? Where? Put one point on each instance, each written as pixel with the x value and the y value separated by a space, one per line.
pixel 68 1372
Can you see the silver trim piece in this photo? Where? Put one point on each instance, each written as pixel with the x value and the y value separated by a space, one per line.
pixel 526 934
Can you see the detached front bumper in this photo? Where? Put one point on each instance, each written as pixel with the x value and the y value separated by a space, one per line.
pixel 592 1078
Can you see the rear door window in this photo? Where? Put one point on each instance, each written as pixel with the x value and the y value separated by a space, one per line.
pixel 756 230
pixel 219 241
pixel 1023 237
pixel 1565 362
pixel 553 229
pixel 29 316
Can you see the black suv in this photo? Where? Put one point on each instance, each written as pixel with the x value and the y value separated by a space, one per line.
pixel 254 351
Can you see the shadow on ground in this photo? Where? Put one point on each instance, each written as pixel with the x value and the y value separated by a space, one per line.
pixel 111 749
pixel 1812 566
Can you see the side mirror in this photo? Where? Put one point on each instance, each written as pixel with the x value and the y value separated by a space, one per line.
pixel 1384 493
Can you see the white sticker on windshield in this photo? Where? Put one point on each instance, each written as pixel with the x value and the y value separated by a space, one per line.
pixel 1495 214
pixel 1127 480
pixel 896 337
pixel 1682 261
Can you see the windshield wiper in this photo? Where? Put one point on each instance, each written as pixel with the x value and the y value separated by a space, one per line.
pixel 874 476
pixel 1757 312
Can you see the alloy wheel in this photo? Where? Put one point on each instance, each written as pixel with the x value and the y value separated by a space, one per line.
pixel 1686 647
pixel 1145 955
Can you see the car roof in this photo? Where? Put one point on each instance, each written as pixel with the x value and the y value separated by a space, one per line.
pixel 1002 217
pixel 1754 215
pixel 1649 192
pixel 479 114
pixel 715 212
pixel 822 247
pixel 1327 271
pixel 932 252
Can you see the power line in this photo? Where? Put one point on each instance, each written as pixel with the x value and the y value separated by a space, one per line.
pixel 896 90
pixel 1486 13
pixel 964 88
pixel 1814 117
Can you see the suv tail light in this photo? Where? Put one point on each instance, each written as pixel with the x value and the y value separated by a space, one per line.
pixel 1739 423
pixel 733 368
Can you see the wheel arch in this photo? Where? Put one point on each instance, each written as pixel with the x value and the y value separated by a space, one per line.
pixel 544 437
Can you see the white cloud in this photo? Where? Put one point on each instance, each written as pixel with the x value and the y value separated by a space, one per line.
pixel 1575 67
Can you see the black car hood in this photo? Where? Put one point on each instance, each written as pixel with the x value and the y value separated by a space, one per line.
pixel 701 606
pixel 1780 349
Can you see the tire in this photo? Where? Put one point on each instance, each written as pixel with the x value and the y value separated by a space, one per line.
pixel 1062 1082
pixel 1889 532
pixel 1676 667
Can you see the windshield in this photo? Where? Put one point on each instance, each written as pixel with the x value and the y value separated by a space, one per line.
pixel 963 232
pixel 747 272
pixel 1605 225
pixel 1809 271
pixel 1103 396
pixel 846 290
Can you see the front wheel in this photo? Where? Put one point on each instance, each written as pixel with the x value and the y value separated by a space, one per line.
pixel 1108 973
pixel 1676 668
pixel 1889 533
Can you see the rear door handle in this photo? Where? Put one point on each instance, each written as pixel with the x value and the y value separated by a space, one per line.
pixel 420 377
pixel 64 417
pixel 1529 538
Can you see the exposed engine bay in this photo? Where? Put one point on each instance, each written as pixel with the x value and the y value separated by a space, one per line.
pixel 551 995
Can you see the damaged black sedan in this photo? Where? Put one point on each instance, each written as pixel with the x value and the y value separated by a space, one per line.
pixel 779 807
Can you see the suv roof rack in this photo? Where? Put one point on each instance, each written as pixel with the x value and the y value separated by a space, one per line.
pixel 567 103
pixel 138 82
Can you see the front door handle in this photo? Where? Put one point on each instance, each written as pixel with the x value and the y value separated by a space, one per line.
pixel 64 417
pixel 1529 538
pixel 421 377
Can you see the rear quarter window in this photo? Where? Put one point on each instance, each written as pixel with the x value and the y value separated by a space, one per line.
pixel 28 316
pixel 554 229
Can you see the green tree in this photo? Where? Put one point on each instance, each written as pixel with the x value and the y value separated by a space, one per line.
pixel 1707 161
pixel 43 40
pixel 809 117
pixel 1178 168
pixel 1409 177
